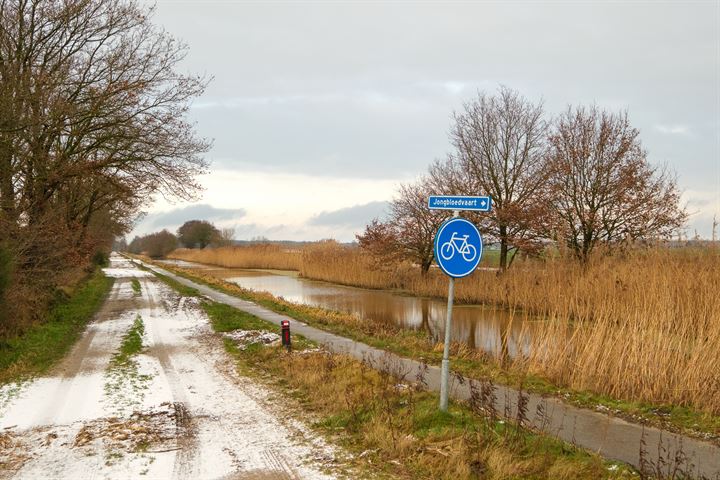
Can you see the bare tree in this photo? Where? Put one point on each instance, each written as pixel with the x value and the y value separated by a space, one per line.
pixel 155 245
pixel 96 105
pixel 604 189
pixel 500 150
pixel 414 223
pixel 380 240
pixel 92 123
pixel 227 236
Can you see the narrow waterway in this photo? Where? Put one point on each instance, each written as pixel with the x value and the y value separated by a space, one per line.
pixel 495 331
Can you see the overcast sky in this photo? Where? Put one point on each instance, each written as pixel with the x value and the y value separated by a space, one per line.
pixel 319 110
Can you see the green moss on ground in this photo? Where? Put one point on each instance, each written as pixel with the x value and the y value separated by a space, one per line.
pixel 41 346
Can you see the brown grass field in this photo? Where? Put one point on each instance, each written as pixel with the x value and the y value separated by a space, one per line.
pixel 644 325
pixel 383 414
pixel 265 256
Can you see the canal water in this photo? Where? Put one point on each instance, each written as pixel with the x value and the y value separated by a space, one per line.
pixel 495 331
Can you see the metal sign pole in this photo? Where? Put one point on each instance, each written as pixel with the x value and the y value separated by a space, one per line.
pixel 445 371
pixel 457 251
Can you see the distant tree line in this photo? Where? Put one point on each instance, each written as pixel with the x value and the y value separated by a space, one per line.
pixel 92 124
pixel 192 234
pixel 577 181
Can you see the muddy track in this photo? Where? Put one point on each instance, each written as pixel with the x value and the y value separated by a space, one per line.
pixel 174 410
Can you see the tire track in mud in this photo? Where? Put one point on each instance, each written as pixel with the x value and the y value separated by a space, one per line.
pixel 282 467
pixel 209 423
pixel 277 465
pixel 188 461
pixel 80 360
pixel 70 397
pixel 186 458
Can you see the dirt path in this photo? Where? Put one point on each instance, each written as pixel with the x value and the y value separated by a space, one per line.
pixel 644 447
pixel 176 410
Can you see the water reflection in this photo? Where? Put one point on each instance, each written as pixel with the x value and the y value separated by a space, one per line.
pixel 492 330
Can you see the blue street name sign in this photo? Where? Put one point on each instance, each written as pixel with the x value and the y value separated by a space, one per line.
pixel 458 247
pixel 455 202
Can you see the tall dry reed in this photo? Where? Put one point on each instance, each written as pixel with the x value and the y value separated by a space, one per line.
pixel 644 327
pixel 640 326
pixel 268 256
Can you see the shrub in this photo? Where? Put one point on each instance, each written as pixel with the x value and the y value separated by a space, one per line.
pixel 5 278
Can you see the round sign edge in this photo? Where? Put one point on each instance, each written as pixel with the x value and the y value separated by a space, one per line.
pixel 435 250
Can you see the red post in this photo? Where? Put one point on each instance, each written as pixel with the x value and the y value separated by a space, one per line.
pixel 285 327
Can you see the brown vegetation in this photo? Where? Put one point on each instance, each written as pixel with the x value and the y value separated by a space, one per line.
pixel 381 412
pixel 499 145
pixel 603 190
pixel 257 256
pixel 92 124
pixel 581 180
pixel 387 418
pixel 640 326
pixel 154 245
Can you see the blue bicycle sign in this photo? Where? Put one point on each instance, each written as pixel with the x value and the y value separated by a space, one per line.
pixel 458 247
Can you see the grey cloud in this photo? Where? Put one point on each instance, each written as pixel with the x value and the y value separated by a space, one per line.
pixel 357 216
pixel 369 135
pixel 172 219
pixel 376 101
pixel 367 89
pixel 193 212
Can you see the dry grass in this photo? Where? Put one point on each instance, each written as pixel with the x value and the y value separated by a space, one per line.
pixel 256 256
pixel 644 326
pixel 394 426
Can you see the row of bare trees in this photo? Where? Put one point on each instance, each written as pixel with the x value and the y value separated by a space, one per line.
pixel 580 180
pixel 191 234
pixel 92 124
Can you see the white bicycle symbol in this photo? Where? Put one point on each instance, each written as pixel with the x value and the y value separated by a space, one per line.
pixel 460 245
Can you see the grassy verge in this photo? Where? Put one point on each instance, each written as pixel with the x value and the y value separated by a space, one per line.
pixel 470 363
pixel 225 318
pixel 124 383
pixel 392 426
pixel 34 352
pixel 131 343
pixel 137 288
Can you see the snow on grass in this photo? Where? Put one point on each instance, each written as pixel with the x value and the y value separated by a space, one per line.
pixel 180 410
pixel 126 273
pixel 244 338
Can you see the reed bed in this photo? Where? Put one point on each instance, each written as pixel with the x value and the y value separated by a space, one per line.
pixel 643 326
pixel 267 256
pixel 640 326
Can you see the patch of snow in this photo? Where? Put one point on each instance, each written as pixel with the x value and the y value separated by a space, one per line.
pixel 70 426
pixel 248 337
pixel 126 273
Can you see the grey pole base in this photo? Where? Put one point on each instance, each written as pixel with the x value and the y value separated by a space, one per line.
pixel 444 382
pixel 445 372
